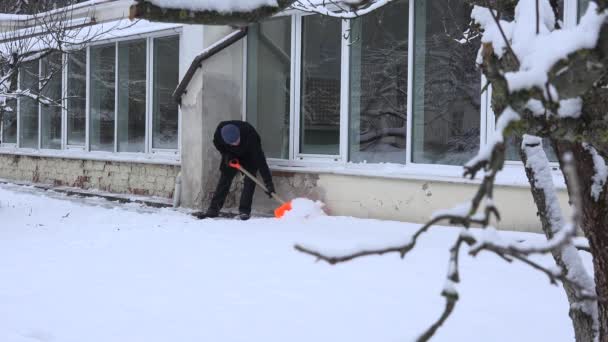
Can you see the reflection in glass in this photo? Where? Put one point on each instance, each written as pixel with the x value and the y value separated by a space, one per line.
pixel 166 78
pixel 378 85
pixel 76 98
pixel 582 7
pixel 513 147
pixel 9 122
pixel 131 113
pixel 320 86
pixel 50 115
pixel 28 107
pixel 268 83
pixel 446 94
pixel 103 87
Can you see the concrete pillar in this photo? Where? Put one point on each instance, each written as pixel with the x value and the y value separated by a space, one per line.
pixel 214 95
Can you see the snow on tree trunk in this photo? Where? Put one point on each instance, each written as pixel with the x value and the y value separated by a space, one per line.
pixel 584 313
pixel 594 220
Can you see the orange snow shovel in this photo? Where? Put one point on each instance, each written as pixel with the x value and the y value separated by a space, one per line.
pixel 278 212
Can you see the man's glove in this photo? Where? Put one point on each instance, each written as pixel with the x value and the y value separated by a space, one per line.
pixel 270 189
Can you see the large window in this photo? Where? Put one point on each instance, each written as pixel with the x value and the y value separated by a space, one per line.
pixel 9 122
pixel 112 97
pixel 398 85
pixel 166 77
pixel 320 85
pixel 131 88
pixel 269 84
pixel 50 114
pixel 378 85
pixel 28 106
pixel 103 102
pixel 446 98
pixel 76 98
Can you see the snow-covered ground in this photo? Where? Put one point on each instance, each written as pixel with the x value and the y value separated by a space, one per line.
pixel 74 270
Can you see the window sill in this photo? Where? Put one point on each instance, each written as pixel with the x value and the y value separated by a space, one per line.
pixel 155 158
pixel 510 176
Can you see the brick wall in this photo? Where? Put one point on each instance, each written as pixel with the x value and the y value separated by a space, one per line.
pixel 111 176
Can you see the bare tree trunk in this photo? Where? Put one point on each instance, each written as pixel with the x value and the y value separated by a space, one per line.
pixel 581 312
pixel 594 223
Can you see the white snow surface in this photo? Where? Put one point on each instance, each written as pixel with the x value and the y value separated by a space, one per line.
pixel 222 6
pixel 302 208
pixel 78 270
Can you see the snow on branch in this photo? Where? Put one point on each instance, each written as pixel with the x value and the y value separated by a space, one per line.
pixel 538 53
pixel 495 144
pixel 601 172
pixel 343 9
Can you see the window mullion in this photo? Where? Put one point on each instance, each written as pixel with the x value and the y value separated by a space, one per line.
pixel 149 80
pixel 410 84
pixel 88 100
pixel 484 112
pixel 116 91
pixel 18 116
pixel 344 91
pixel 64 81
pixel 40 83
pixel 297 85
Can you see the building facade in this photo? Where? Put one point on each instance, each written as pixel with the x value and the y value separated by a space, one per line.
pixel 374 116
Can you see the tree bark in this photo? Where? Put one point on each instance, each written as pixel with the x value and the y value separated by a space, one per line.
pixel 551 221
pixel 594 223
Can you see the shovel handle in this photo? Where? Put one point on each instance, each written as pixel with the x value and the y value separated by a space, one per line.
pixel 234 163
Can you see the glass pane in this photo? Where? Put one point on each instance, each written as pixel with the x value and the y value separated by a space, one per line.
pixel 28 107
pixel 320 87
pixel 446 94
pixel 51 115
pixel 582 7
pixel 378 85
pixel 513 146
pixel 268 83
pixel 132 96
pixel 9 122
pixel 103 87
pixel 77 98
pixel 166 78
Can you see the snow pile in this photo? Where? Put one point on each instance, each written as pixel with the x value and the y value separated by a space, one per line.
pixel 222 6
pixel 302 208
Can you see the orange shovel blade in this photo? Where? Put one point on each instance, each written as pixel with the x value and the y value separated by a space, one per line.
pixel 280 211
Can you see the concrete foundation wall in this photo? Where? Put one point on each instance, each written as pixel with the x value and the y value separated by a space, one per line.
pixel 399 199
pixel 111 176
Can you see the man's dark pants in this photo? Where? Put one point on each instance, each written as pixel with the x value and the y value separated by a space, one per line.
pixel 223 187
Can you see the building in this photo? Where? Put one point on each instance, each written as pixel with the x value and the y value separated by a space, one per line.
pixel 374 116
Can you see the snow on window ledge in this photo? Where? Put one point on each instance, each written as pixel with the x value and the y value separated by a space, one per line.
pixel 140 158
pixel 512 175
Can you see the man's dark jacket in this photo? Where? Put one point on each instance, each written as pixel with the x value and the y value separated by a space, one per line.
pixel 249 151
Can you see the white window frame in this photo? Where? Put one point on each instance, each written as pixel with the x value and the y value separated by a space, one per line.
pixel 162 156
